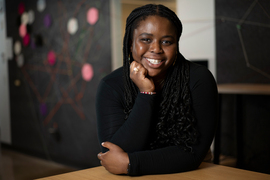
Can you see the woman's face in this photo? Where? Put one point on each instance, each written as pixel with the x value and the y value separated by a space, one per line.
pixel 154 45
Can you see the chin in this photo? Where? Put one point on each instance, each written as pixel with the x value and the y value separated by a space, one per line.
pixel 152 74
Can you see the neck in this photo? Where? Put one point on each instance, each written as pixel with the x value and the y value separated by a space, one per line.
pixel 159 82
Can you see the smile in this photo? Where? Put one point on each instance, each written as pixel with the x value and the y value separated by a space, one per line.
pixel 153 61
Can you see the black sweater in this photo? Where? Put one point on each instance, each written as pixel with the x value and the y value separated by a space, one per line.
pixel 133 134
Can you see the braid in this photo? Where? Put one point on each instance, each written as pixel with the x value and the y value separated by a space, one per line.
pixel 175 121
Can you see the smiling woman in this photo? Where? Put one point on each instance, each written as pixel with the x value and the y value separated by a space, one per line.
pixel 154 45
pixel 157 113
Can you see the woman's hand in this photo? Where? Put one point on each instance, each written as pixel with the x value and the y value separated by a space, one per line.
pixel 138 75
pixel 115 160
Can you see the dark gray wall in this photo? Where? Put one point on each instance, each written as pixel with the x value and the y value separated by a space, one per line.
pixel 66 132
pixel 232 68
pixel 253 21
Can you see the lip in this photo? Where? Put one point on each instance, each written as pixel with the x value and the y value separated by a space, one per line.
pixel 154 65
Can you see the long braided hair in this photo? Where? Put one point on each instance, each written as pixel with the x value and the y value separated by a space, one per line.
pixel 176 123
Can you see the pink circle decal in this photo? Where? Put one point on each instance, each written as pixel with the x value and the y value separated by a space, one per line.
pixel 92 16
pixel 26 40
pixel 51 58
pixel 87 72
pixel 22 30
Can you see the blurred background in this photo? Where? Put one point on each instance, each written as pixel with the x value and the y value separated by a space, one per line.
pixel 53 53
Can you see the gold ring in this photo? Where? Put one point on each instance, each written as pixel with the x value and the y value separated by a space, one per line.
pixel 136 69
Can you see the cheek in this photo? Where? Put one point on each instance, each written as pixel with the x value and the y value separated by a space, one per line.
pixel 171 52
pixel 137 48
pixel 134 53
pixel 137 51
pixel 134 49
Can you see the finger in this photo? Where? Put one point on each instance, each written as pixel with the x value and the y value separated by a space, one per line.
pixel 138 68
pixel 134 68
pixel 107 144
pixel 133 65
pixel 143 71
pixel 111 146
pixel 99 156
pixel 137 65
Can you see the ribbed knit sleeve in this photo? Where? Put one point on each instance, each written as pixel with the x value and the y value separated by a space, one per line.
pixel 173 159
pixel 133 134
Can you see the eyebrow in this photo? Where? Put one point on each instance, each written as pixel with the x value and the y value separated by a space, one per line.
pixel 147 34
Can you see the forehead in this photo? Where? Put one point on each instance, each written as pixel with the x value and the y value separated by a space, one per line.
pixel 156 24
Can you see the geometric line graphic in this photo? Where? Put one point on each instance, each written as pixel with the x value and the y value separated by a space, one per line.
pixel 61 80
pixel 266 74
pixel 242 21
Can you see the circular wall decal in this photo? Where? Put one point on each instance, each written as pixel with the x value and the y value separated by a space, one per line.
pixel 24 18
pixel 87 72
pixel 21 8
pixel 22 30
pixel 51 57
pixel 47 20
pixel 17 82
pixel 31 16
pixel 92 16
pixel 20 60
pixel 17 47
pixel 72 26
pixel 41 5
pixel 43 109
pixel 26 40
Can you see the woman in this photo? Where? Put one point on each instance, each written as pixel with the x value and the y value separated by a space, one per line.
pixel 157 113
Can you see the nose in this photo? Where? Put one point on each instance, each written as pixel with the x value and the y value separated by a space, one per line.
pixel 156 47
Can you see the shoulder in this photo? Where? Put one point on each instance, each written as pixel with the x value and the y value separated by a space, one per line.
pixel 200 76
pixel 197 69
pixel 114 80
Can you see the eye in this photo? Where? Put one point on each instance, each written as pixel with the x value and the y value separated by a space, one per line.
pixel 165 42
pixel 146 40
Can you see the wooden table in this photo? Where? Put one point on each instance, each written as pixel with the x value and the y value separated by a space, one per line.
pixel 206 171
pixel 255 89
pixel 238 90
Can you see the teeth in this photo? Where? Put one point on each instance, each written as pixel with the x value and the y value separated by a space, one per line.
pixel 154 61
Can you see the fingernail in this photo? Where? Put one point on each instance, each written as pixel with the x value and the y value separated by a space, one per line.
pixel 102 143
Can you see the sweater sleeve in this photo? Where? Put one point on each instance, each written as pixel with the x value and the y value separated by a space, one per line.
pixel 173 159
pixel 131 134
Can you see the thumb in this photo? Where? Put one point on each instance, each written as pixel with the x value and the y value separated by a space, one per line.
pixel 108 145
pixel 111 146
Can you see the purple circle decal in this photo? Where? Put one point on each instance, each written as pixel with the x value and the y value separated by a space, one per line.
pixel 43 109
pixel 47 20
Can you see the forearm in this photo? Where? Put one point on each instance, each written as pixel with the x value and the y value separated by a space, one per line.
pixel 174 159
pixel 134 133
pixel 131 134
pixel 163 161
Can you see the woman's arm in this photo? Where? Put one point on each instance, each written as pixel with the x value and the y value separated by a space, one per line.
pixel 174 159
pixel 131 134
